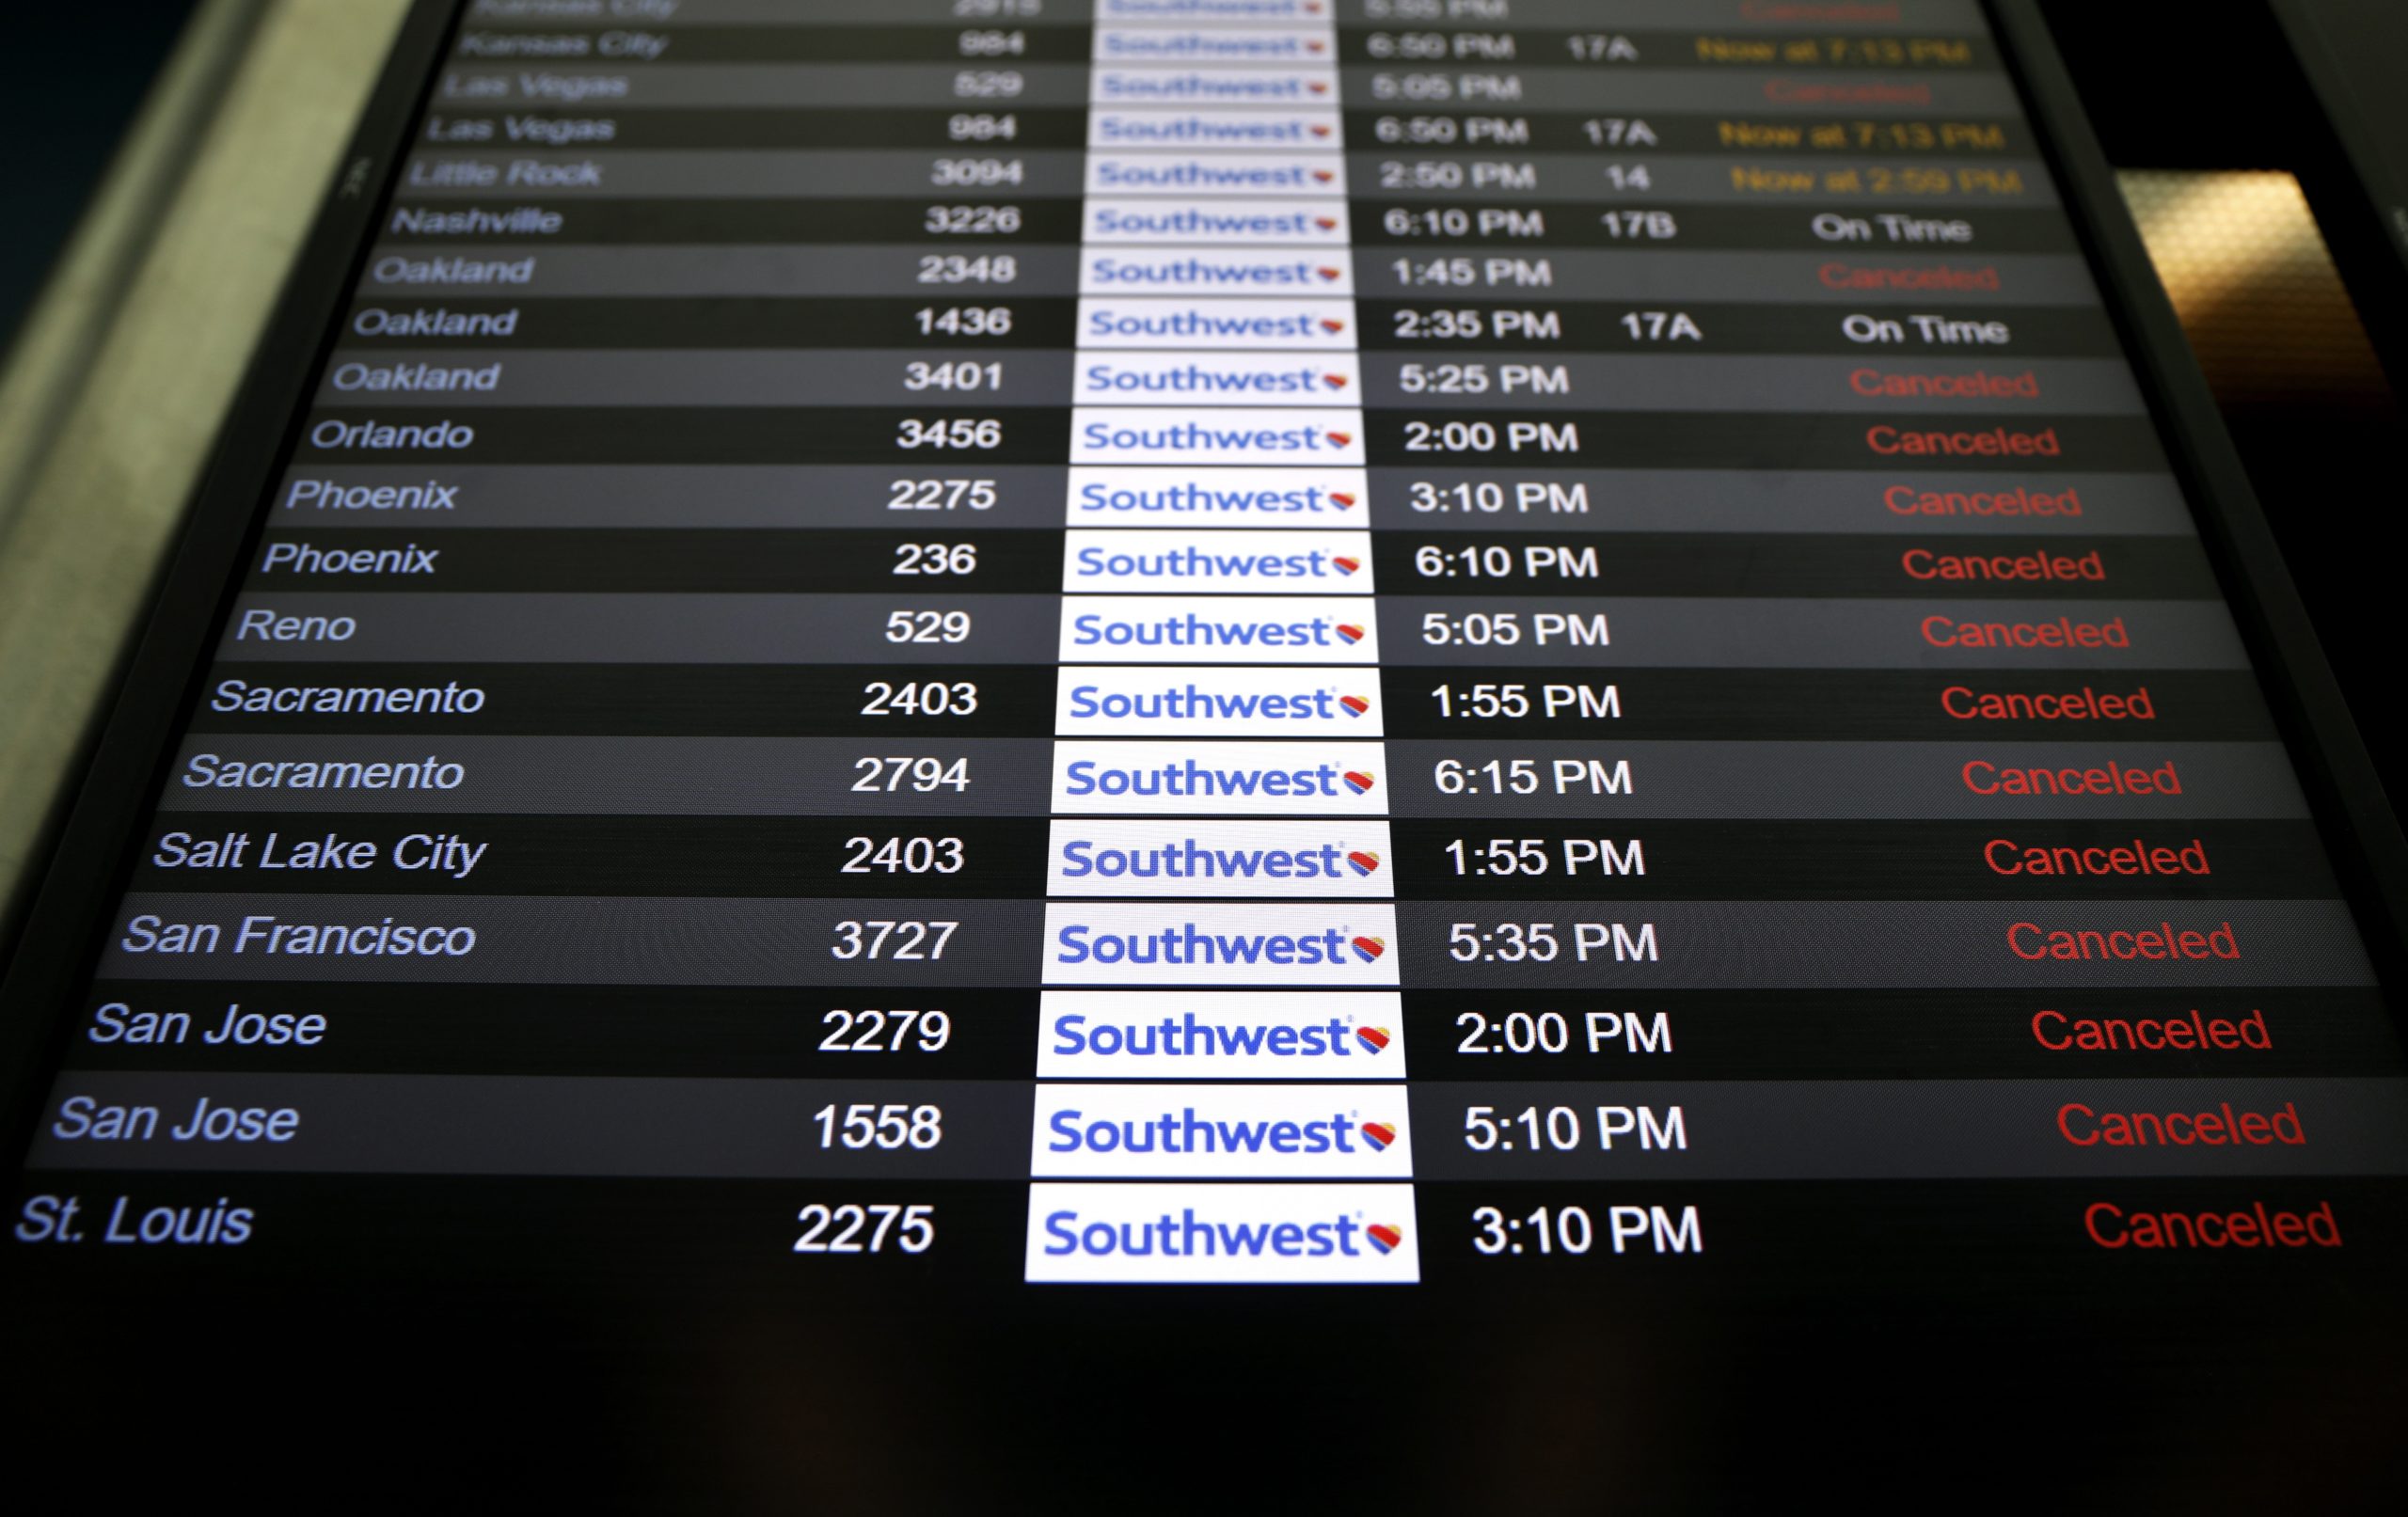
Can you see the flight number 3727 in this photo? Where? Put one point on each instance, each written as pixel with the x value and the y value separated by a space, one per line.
pixel 887 939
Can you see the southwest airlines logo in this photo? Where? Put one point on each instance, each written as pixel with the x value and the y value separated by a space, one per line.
pixel 1284 498
pixel 1166 379
pixel 1300 1234
pixel 1221 560
pixel 1176 629
pixel 1322 325
pixel 1101 435
pixel 1232 379
pixel 1155 701
pixel 1200 270
pixel 1213 87
pixel 1308 12
pixel 1204 1035
pixel 1259 221
pixel 1315 859
pixel 1289 1131
pixel 1318 779
pixel 1133 45
pixel 1336 943
pixel 1155 128
pixel 1220 173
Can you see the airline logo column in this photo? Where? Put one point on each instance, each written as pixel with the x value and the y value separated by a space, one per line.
pixel 1221 1055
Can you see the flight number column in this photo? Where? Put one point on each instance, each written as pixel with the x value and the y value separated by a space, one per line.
pixel 1221 1053
pixel 626 759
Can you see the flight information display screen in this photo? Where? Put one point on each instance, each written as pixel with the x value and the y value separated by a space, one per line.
pixel 1495 715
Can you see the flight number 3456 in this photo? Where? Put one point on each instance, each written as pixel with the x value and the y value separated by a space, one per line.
pixel 949 432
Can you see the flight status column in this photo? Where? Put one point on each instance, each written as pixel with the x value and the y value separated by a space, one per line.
pixel 1819 750
pixel 1219 1080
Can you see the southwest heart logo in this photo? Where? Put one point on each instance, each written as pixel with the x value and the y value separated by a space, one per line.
pixel 1385 1238
pixel 1325 223
pixel 1344 439
pixel 1323 175
pixel 1364 863
pixel 1347 565
pixel 1371 948
pixel 1359 782
pixel 1316 46
pixel 1354 705
pixel 1345 502
pixel 1380 1135
pixel 1328 273
pixel 1319 86
pixel 1374 1038
pixel 1335 380
pixel 1320 130
pixel 1350 632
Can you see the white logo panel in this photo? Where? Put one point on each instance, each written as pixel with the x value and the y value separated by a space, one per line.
pixel 1219 629
pixel 1222 1235
pixel 1206 271
pixel 1171 496
pixel 1208 1035
pixel 1270 223
pixel 1187 175
pixel 1188 379
pixel 1243 1133
pixel 1118 130
pixel 1223 562
pixel 1142 435
pixel 1344 944
pixel 1352 860
pixel 1162 322
pixel 1212 87
pixel 1314 14
pixel 1162 701
pixel 1220 778
pixel 1255 48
